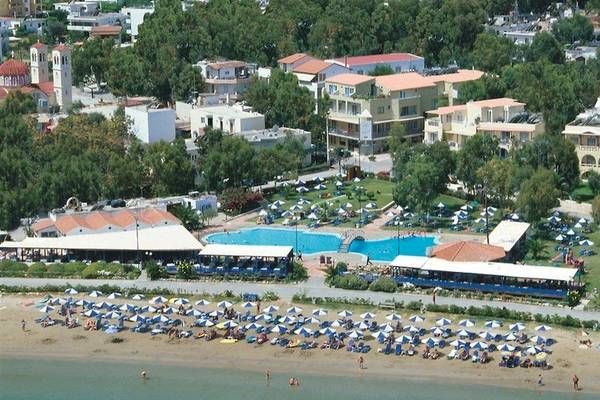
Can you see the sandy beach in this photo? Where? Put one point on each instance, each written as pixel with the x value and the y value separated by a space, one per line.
pixel 568 357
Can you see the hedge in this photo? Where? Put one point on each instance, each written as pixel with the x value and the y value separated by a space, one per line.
pixel 383 284
pixel 352 282
pixel 68 270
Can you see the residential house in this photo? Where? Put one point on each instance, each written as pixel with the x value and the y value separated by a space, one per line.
pixel 398 62
pixel 135 17
pixel 20 8
pixel 287 64
pixel 85 23
pixel 30 25
pixel 504 118
pixel 152 125
pixel 313 73
pixel 227 79
pixel 78 8
pixel 268 138
pixel 231 119
pixel 363 108
pixel 584 132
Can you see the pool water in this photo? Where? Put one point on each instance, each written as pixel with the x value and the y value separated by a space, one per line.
pixel 321 242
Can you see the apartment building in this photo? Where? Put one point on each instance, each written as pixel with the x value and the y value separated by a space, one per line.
pixel 584 132
pixel 313 73
pixel 227 78
pixel 363 108
pixel 504 118
pixel 398 62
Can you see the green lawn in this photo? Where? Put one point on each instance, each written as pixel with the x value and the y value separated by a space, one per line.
pixel 583 193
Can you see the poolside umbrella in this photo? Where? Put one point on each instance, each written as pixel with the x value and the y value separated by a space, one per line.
pixel 318 179
pixel 466 207
pixel 158 300
pixel 71 291
pixel 408 215
pixel 279 202
pixel 363 211
pixel 312 320
pixel 570 232
pixel 336 324
pixel 368 315
pixel 554 219
pixel 138 297
pixel 339 175
pixel 485 335
pixel 104 304
pixel 137 318
pixel 582 221
pixel 341 211
pixel 578 226
pixel 515 217
pixel 295 208
pixel 202 302
pixel 299 182
pixel 287 320
pixel 148 309
pixel 559 238
pixel 486 213
pixel 371 205
pixel 224 304
pixel 207 323
pixel 412 329
pixel 543 328
pixel 339 183
pixel 431 342
pixel 491 209
pixel 248 304
pixel 416 319
pixel 229 324
pixel 319 312
pixel 303 202
pixel 463 333
pixel 279 329
pixel 436 330
pixel 264 317
pixel 510 337
pixel 533 350
pixel 467 323
pixel 361 325
pixel 537 339
pixel 443 322
pixel 312 215
pixel 303 331
pixel 302 189
pixel 517 327
pixel 274 207
pixel 345 313
pixel 252 326
pixel 441 205
pixel 479 345
pixel 113 315
pixel 586 242
pixel 327 331
pixel 356 334
pixel 91 313
pixel 480 221
pixel 194 313
pixel 263 213
pixel 393 317
pixel 320 186
pixel 271 309
pixel 47 309
pixel 493 324
pixel 506 347
pixel 169 310
pixel 403 339
pixel 216 313
pixel 287 214
pixel 95 293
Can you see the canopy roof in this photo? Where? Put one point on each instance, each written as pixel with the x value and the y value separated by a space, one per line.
pixel 159 238
pixel 486 268
pixel 508 233
pixel 237 250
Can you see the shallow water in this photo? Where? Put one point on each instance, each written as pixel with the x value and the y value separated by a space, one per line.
pixel 60 379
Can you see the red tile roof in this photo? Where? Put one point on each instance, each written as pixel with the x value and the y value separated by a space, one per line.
pixel 468 251
pixel 106 30
pixel 62 47
pixel 46 87
pixel 292 58
pixel 403 81
pixel 312 67
pixel 377 59
pixel 227 64
pixel 14 67
pixel 462 75
pixel 39 45
pixel 350 79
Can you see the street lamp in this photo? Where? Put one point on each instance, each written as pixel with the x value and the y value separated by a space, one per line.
pixel 397 223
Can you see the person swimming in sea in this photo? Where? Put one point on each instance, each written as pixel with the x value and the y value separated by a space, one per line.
pixel 143 375
pixel 294 381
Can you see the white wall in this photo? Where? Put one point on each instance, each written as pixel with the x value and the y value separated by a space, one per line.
pixel 152 125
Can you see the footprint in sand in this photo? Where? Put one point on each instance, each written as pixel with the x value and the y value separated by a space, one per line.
pixel 48 341
pixel 79 337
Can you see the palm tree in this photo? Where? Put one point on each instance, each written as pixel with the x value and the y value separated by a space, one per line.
pixel 330 272
pixel 536 248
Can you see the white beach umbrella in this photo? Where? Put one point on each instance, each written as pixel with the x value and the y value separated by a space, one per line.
pixel 327 331
pixel 386 327
pixel 371 205
pixel 82 303
pixel 91 313
pixel 127 307
pixel 302 189
pixel 149 309
pixel 393 317
pixel 510 337
pixel 47 309
pixel 103 304
pixel 348 205
pixel 537 339
pixel 582 221
pixel 403 339
pixel 263 213
pixel 312 321
pixel 264 317
pixel 138 297
pixel 355 334
pixel 114 295
pixel 356 180
pixel 71 291
pixel 168 310
pixel 517 327
pixel 467 323
pixel 466 207
pixel 294 310
pixel 287 320
pixel 506 347
pixel 312 216
pixel 216 313
pixel 559 238
pixel 543 328
pixel 415 319
pixel 287 214
pixel 339 183
pixel 158 300
pixel 341 211
pixel 411 329
pixel 318 179
pixel 533 350
pixel 485 335
pixel 380 335
pixel 303 202
pixel 336 324
pixel 443 322
pixel 224 304
pixel 458 343
pixel 319 312
pixel 202 302
pixel 436 330
pixel 320 186
pixel 137 318
pixel 279 202
pixel 95 293
pixel 586 242
pixel 463 333
pixel 271 309
pixel 279 329
pixel 296 208
pixel 162 319
pixel 193 313
pixel 113 315
pixel 274 207
pixel 57 301
pixel 515 217
pixel 252 326
pixel 303 331
pixel 180 301
pixel 229 324
pixel 207 323
pixel 299 182
pixel 345 313
pixel 571 232
pixel 493 324
pixel 248 304
pixel 479 345
pixel 368 315
pixel 431 342
pixel 441 205
pixel 361 325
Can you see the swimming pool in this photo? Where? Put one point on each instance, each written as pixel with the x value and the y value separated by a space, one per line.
pixel 321 242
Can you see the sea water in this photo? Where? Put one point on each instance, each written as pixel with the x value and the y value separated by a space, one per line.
pixel 44 379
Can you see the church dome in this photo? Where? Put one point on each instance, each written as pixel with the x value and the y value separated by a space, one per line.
pixel 14 73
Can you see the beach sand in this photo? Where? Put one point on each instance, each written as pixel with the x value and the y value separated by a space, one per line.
pixel 58 341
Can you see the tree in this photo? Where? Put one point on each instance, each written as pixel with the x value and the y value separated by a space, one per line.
pixel 476 151
pixel 230 163
pixel 596 208
pixel 492 52
pixel 420 185
pixel 593 179
pixel 535 247
pixel 400 150
pixel 185 270
pixel 576 29
pixel 207 215
pixel 126 73
pixel 91 61
pixel 170 169
pixel 544 46
pixel 496 177
pixel 188 217
pixel 486 87
pixel 538 195
pixel 381 69
pixel 154 270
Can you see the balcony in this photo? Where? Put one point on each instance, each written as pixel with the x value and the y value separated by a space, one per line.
pixel 345 134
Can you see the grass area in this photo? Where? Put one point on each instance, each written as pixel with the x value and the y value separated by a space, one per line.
pixel 583 193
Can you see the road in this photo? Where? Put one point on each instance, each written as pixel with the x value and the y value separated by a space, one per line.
pixel 315 287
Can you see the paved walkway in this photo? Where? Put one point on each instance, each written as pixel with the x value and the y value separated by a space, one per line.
pixel 313 287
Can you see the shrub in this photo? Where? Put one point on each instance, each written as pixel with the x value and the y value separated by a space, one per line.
pixel 384 284
pixel 352 282
pixel 154 270
pixel 269 295
pixel 185 270
pixel 9 267
pixel 37 269
pixel 90 272
pixel 299 272
pixel 74 268
pixel 56 270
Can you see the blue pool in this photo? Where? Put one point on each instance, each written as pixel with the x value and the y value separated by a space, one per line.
pixel 320 242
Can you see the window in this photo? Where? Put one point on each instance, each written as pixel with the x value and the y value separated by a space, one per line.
pixel 591 141
pixel 524 136
pixel 321 77
pixel 355 109
pixel 333 89
pixel 402 94
pixel 380 110
pixel 408 110
pixel 448 118
pixel 360 72
pixel 348 91
pixel 398 69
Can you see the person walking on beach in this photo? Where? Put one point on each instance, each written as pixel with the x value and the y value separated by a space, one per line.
pixel 361 362
pixel 575 382
pixel 540 380
pixel 258 306
pixel 268 377
pixel 23 323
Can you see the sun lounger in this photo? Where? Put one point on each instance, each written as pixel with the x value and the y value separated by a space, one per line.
pixel 452 355
pixel 388 348
pixel 398 349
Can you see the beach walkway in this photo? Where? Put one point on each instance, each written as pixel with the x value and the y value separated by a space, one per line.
pixel 314 286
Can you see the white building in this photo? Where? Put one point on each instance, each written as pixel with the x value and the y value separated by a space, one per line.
pixel 398 62
pixel 135 17
pixel 230 119
pixel 31 25
pixel 312 74
pixel 78 8
pixel 61 72
pixel 86 23
pixel 152 125
pixel 268 138
pixel 227 79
